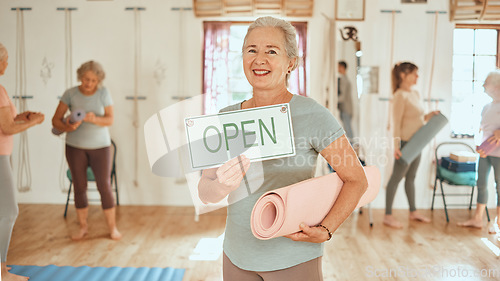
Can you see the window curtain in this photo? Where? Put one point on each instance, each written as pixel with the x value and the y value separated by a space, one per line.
pixel 297 82
pixel 216 66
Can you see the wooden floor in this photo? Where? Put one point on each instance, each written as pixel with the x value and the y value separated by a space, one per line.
pixel 166 236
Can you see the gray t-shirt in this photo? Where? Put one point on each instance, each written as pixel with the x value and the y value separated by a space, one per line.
pixel 88 135
pixel 314 128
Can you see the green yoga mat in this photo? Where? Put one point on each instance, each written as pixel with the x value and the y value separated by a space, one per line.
pixel 421 138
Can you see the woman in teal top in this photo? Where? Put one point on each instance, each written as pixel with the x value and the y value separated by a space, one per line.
pixel 88 143
pixel 270 53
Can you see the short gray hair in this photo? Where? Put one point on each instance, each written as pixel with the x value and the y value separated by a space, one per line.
pixel 3 52
pixel 291 48
pixel 494 78
pixel 91 66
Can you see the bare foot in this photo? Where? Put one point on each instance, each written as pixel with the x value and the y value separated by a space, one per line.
pixel 80 234
pixel 115 234
pixel 415 216
pixel 471 223
pixel 494 228
pixel 13 277
pixel 390 221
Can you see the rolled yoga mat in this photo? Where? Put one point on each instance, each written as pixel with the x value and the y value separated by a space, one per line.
pixel 75 116
pixel 421 138
pixel 279 212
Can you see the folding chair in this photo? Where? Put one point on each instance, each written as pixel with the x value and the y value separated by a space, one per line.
pixel 440 178
pixel 90 177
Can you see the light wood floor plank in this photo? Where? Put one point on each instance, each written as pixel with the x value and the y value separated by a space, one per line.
pixel 155 236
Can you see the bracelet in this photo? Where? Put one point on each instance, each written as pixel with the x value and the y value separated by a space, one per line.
pixel 330 234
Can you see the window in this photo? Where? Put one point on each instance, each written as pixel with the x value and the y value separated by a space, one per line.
pixel 224 81
pixel 475 54
pixel 239 88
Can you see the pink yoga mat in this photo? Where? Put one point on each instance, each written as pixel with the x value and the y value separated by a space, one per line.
pixel 279 212
pixel 487 147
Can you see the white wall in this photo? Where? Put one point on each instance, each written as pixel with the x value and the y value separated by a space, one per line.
pixel 104 31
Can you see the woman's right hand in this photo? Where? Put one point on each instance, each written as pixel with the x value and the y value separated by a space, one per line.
pixel 230 175
pixel 397 153
pixel 481 152
pixel 70 127
pixel 216 184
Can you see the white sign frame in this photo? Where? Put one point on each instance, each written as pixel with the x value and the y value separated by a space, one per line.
pixel 285 135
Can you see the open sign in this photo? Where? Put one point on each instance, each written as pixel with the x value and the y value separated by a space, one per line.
pixel 260 133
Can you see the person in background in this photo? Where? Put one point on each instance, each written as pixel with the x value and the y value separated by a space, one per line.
pixel 490 125
pixel 408 118
pixel 10 123
pixel 270 53
pixel 345 99
pixel 88 143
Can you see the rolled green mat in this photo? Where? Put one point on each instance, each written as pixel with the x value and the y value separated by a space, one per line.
pixel 421 138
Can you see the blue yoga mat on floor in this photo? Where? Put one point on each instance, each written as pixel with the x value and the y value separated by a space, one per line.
pixel 85 273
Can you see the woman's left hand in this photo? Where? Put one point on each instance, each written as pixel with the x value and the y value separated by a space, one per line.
pixel 315 234
pixel 90 117
pixel 431 114
pixel 24 117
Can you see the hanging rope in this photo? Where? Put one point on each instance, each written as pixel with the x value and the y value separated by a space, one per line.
pixel 333 68
pixel 329 66
pixel 182 92
pixel 393 20
pixel 181 54
pixel 389 111
pixel 24 169
pixel 429 93
pixel 390 152
pixel 433 55
pixel 68 60
pixel 68 34
pixel 391 60
pixel 137 65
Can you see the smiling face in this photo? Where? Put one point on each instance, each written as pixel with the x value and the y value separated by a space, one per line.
pixel 89 83
pixel 265 61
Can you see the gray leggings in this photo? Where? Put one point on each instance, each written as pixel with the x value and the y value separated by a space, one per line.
pixel 399 172
pixel 8 205
pixel 483 173
pixel 307 271
pixel 99 161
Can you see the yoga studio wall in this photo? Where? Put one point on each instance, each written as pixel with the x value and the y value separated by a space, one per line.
pixel 153 58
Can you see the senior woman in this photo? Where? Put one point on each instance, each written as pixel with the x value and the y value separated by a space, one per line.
pixel 270 53
pixel 490 126
pixel 88 143
pixel 10 123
